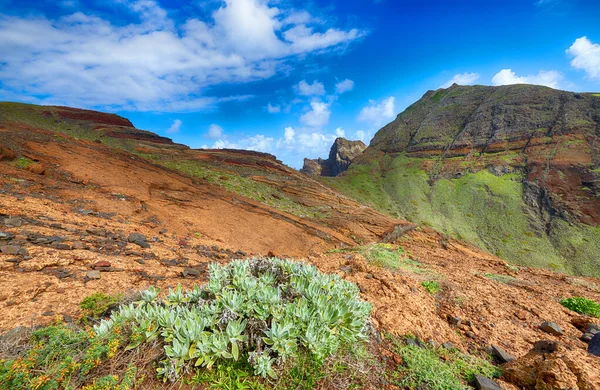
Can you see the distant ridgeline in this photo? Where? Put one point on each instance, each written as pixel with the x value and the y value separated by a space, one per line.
pixel 513 169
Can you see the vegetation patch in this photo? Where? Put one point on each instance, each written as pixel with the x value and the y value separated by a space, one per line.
pixel 504 279
pixel 582 305
pixel 431 286
pixel 23 162
pixel 258 323
pixel 435 368
pixel 97 304
pixel 481 208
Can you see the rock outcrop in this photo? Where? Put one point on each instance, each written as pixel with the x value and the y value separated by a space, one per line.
pixel 341 155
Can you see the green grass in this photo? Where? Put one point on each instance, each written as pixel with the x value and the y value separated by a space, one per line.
pixel 483 209
pixel 431 286
pixel 387 256
pixel 582 305
pixel 504 279
pixel 436 368
pixel 23 162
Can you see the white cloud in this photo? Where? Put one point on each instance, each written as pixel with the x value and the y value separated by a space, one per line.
pixel 344 86
pixel 461 79
pixel 339 132
pixel 174 127
pixel 586 56
pixel 288 134
pixel 273 109
pixel 155 63
pixel 550 78
pixel 215 131
pixel 318 115
pixel 377 114
pixel 306 89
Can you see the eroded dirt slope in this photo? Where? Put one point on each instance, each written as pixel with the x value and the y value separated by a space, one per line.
pixel 70 206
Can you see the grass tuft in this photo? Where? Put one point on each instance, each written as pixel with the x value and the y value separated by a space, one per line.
pixel 435 368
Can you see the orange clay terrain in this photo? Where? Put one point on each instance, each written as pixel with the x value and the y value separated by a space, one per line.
pixel 76 187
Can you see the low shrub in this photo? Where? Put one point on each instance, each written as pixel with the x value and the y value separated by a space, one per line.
pixel 260 311
pixel 582 305
pixel 97 304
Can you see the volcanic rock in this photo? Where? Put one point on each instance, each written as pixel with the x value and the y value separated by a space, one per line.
pixel 340 157
pixel 552 328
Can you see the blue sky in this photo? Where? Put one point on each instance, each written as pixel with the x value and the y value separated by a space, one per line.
pixel 283 76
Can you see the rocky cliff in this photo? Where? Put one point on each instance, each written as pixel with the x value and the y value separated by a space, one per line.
pixel 340 157
pixel 514 169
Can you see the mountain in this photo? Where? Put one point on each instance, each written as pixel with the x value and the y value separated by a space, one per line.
pixel 513 169
pixel 90 205
pixel 340 157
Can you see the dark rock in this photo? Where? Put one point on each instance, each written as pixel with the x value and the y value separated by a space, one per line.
pixel 138 239
pixel 485 383
pixel 594 345
pixel 10 249
pixel 545 346
pixel 14 222
pixel 455 321
pixel 92 275
pixel 48 313
pixel 24 252
pixel 501 354
pixel 140 261
pixel 191 272
pixel 586 337
pixel 552 328
pixel 448 345
pixel 68 319
pixel 593 329
pixel 412 342
pixel 346 269
pixel 341 155
pixel 163 231
pixel 5 236
pixel 61 246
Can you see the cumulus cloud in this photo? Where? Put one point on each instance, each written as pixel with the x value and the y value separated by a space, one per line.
pixel 215 131
pixel 339 132
pixel 378 113
pixel 174 127
pixel 461 79
pixel 156 62
pixel 586 56
pixel 344 86
pixel 305 89
pixel 318 115
pixel 550 78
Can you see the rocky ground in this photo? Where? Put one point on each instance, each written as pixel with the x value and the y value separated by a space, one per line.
pixel 85 218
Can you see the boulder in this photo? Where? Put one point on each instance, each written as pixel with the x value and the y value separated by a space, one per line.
pixel 485 383
pixel 552 328
pixel 502 355
pixel 138 239
pixel 594 345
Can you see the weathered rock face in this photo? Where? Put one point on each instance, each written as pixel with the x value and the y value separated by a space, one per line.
pixel 556 132
pixel 340 157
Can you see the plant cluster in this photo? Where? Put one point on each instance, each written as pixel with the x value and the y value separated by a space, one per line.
pixel 436 368
pixel 264 311
pixel 59 358
pixel 431 286
pixel 97 304
pixel 582 305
